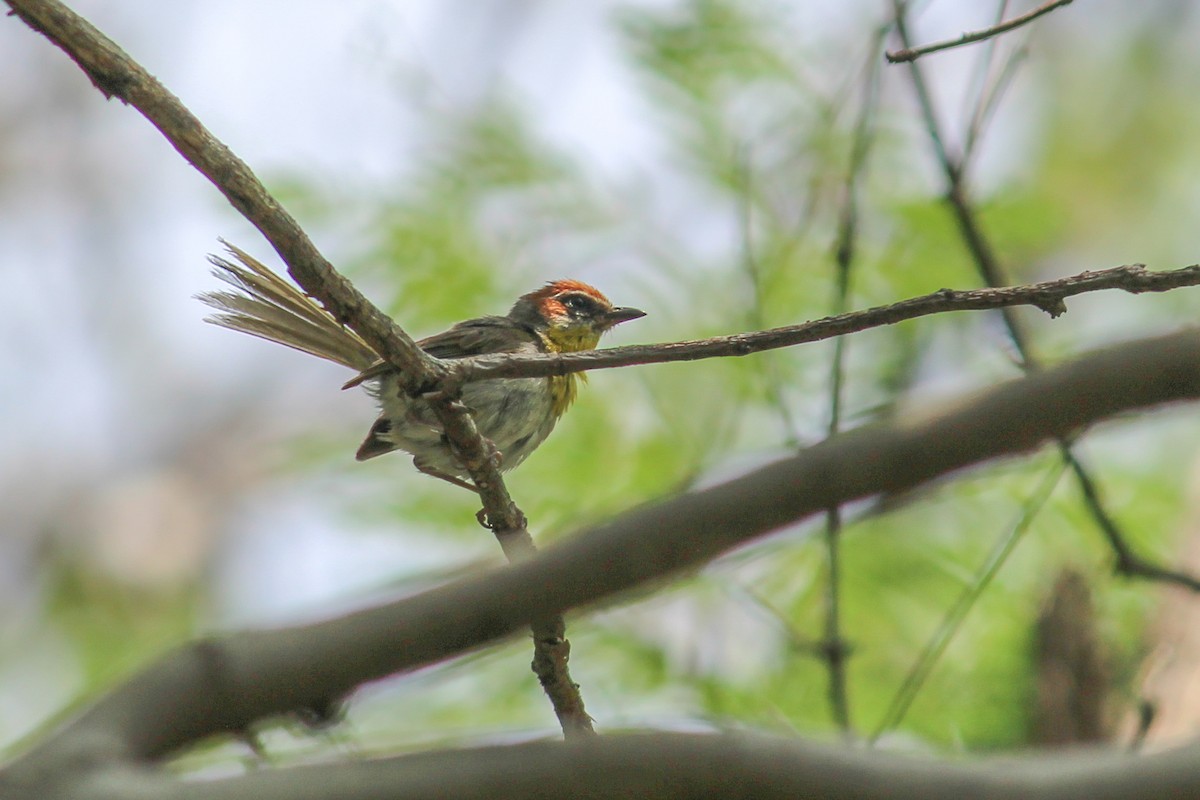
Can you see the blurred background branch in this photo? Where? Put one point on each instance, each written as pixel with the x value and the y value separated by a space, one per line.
pixel 115 74
pixel 909 53
pixel 162 480
pixel 230 684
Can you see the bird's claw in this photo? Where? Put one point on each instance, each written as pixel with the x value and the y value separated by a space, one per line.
pixel 519 520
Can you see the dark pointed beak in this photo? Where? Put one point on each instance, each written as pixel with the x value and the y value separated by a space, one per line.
pixel 622 314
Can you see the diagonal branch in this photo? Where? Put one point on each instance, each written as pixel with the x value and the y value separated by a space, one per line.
pixel 835 650
pixel 115 74
pixel 908 53
pixel 1128 562
pixel 224 685
pixel 1049 296
pixel 952 621
pixel 988 266
pixel 685 766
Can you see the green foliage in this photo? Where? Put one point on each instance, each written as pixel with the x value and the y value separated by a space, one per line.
pixel 115 628
pixel 768 152
pixel 440 254
pixel 764 150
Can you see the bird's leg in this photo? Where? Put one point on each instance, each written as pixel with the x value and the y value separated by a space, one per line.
pixel 497 459
pixel 437 473
pixel 481 514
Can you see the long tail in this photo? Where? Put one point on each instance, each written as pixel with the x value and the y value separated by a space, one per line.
pixel 265 305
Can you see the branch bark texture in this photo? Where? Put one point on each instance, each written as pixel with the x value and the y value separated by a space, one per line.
pixel 675 766
pixel 115 74
pixel 225 685
pixel 229 684
pixel 1049 296
pixel 913 53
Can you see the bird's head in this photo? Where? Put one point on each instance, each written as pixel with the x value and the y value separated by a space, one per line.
pixel 570 315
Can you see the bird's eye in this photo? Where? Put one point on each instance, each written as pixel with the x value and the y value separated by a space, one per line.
pixel 577 303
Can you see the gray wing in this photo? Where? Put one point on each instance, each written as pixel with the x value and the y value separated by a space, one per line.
pixel 472 337
pixel 477 337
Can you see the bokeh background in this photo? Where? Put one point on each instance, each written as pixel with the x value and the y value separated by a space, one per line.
pixel 162 478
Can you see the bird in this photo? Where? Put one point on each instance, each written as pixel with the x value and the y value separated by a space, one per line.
pixel 516 414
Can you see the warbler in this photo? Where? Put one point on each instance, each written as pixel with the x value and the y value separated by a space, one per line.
pixel 516 414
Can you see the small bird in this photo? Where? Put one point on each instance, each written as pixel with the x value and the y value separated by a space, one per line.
pixel 516 414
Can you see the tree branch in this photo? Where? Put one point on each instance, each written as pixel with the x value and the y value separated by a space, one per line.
pixel 224 685
pixel 1049 296
pixel 834 650
pixel 115 74
pixel 913 53
pixel 680 766
pixel 990 270
pixel 666 766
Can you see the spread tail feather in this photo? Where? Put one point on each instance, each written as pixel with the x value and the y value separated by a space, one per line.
pixel 375 444
pixel 267 306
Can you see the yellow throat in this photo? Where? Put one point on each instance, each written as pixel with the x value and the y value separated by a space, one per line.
pixel 563 388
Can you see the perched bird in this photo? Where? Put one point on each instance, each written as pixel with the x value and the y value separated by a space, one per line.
pixel 516 414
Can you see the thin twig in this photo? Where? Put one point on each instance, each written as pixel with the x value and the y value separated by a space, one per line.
pixel 990 270
pixel 953 167
pixel 1049 296
pixel 952 621
pixel 1129 563
pixel 224 685
pixel 835 649
pixel 979 84
pixel 757 317
pixel 796 640
pixel 115 74
pixel 989 100
pixel 910 53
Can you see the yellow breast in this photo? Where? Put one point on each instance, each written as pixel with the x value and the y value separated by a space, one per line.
pixel 562 391
pixel 563 388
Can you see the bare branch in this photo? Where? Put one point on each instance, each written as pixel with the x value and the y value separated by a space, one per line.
pixel 835 650
pixel 663 766
pixel 913 53
pixel 1128 562
pixel 679 766
pixel 990 270
pixel 224 685
pixel 115 74
pixel 1049 296
pixel 951 622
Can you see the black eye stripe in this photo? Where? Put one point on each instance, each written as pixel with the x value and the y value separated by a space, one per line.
pixel 578 302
